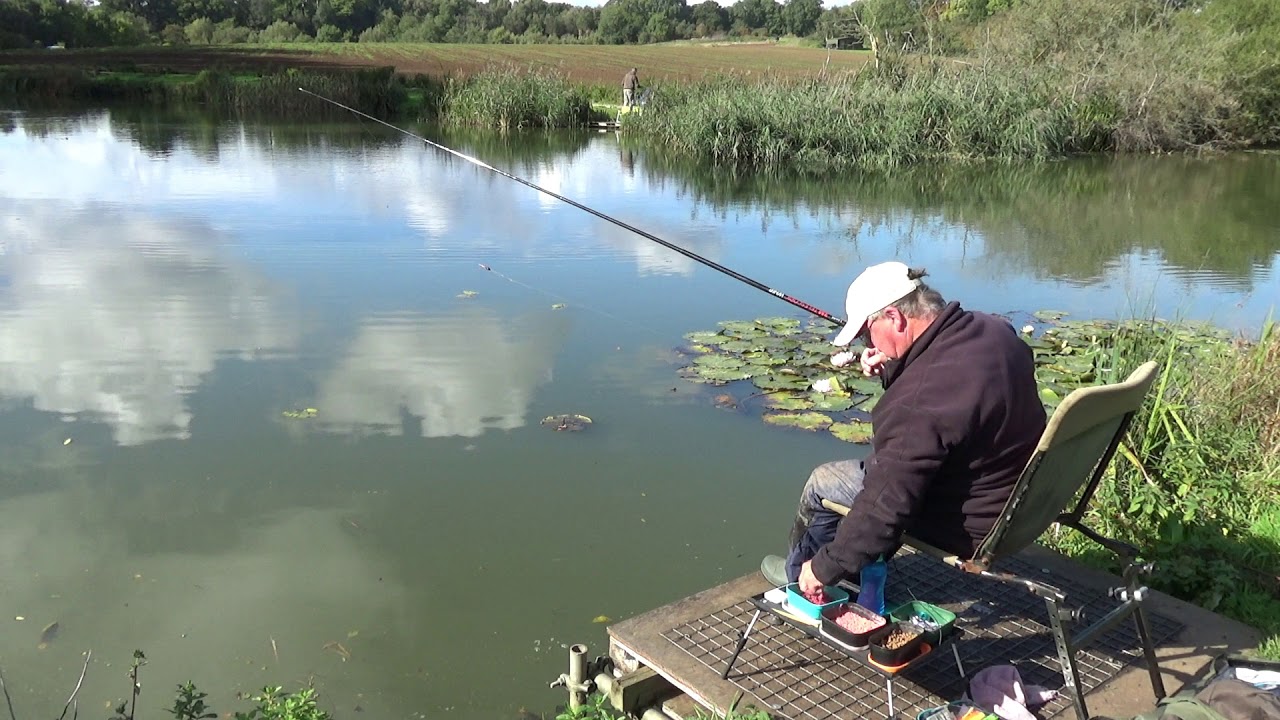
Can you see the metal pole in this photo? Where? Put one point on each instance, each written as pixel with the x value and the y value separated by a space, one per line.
pixel 577 675
pixel 742 641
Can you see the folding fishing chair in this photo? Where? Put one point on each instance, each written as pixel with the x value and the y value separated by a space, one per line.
pixel 1073 453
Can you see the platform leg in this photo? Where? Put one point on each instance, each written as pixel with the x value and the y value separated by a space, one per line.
pixel 742 642
pixel 888 683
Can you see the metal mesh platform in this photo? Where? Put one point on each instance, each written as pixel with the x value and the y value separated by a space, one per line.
pixel 797 676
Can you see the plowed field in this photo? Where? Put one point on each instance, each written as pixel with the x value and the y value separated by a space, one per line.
pixel 587 64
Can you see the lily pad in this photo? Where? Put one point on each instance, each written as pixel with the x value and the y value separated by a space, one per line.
pixel 722 374
pixel 854 432
pixel 788 402
pixel 718 361
pixel 831 402
pixel 725 401
pixel 739 328
pixel 567 423
pixel 1049 397
pixel 802 420
pixel 705 337
pixel 780 382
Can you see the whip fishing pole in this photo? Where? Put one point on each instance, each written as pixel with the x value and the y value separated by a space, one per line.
pixel 646 235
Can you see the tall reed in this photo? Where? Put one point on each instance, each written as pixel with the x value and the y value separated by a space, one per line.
pixel 514 98
pixel 1196 483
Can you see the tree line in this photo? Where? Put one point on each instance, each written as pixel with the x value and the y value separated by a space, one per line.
pixel 98 23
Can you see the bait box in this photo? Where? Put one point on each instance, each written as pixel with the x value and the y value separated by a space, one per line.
pixel 835 596
pixel 833 630
pixel 945 619
pixel 890 658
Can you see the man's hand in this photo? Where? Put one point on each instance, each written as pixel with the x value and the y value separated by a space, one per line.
pixel 809 583
pixel 872 361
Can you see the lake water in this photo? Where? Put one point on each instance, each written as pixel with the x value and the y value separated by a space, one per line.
pixel 175 292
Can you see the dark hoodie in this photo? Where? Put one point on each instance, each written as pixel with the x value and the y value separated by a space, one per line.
pixel 958 421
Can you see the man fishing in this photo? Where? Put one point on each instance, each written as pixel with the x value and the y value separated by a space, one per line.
pixel 959 418
pixel 630 82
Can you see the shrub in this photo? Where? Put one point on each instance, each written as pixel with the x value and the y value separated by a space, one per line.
pixel 329 33
pixel 228 33
pixel 281 31
pixel 199 31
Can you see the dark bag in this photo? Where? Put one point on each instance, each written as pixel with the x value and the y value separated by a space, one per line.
pixel 1219 696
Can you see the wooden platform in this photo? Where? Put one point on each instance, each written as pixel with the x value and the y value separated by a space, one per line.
pixel 791 675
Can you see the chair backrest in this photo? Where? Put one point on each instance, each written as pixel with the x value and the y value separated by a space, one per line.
pixel 1073 453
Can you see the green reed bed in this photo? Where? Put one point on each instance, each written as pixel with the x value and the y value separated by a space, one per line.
pixel 871 120
pixel 1196 485
pixel 512 98
pixel 375 91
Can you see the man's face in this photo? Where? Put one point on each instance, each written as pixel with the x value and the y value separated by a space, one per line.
pixel 887 333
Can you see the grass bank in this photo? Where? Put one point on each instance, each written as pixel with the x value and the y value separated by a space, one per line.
pixel 1196 484
pixel 501 97
pixel 1045 79
pixel 375 90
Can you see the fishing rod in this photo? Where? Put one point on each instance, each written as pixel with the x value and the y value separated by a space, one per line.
pixel 646 235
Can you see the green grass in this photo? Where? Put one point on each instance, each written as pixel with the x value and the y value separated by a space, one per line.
pixel 1196 484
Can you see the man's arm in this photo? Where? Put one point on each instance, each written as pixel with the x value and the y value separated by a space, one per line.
pixel 909 452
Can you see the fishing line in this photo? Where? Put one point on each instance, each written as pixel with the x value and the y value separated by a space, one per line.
pixel 646 235
pixel 570 303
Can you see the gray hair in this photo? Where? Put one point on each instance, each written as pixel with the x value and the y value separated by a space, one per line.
pixel 923 302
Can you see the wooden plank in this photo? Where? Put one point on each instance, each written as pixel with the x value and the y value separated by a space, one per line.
pixel 640 689
pixel 641 636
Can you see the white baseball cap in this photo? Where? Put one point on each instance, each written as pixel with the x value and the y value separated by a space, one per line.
pixel 878 287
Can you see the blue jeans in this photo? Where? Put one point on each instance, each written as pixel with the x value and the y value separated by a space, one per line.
pixel 815 526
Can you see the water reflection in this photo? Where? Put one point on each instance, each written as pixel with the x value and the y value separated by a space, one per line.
pixel 449 375
pixel 1214 219
pixel 117 316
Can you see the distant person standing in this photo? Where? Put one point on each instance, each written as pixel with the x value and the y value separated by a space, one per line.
pixel 629 83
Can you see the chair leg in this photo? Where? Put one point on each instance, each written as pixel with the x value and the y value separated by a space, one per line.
pixel 1066 657
pixel 1148 649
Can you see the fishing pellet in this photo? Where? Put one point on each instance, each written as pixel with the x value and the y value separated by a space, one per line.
pixel 897 638
pixel 817 597
pixel 856 622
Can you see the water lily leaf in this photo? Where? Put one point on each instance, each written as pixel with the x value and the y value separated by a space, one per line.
pixel 1049 397
pixel 761 357
pixel 699 349
pixel 864 385
pixel 718 361
pixel 779 323
pixel 854 432
pixel 1049 315
pixel 820 348
pixel 705 337
pixel 804 420
pixel 869 404
pixel 722 374
pixel 739 346
pixel 741 328
pixel 774 381
pixel 726 402
pixel 601 619
pixel 570 423
pixel 789 402
pixel 831 402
